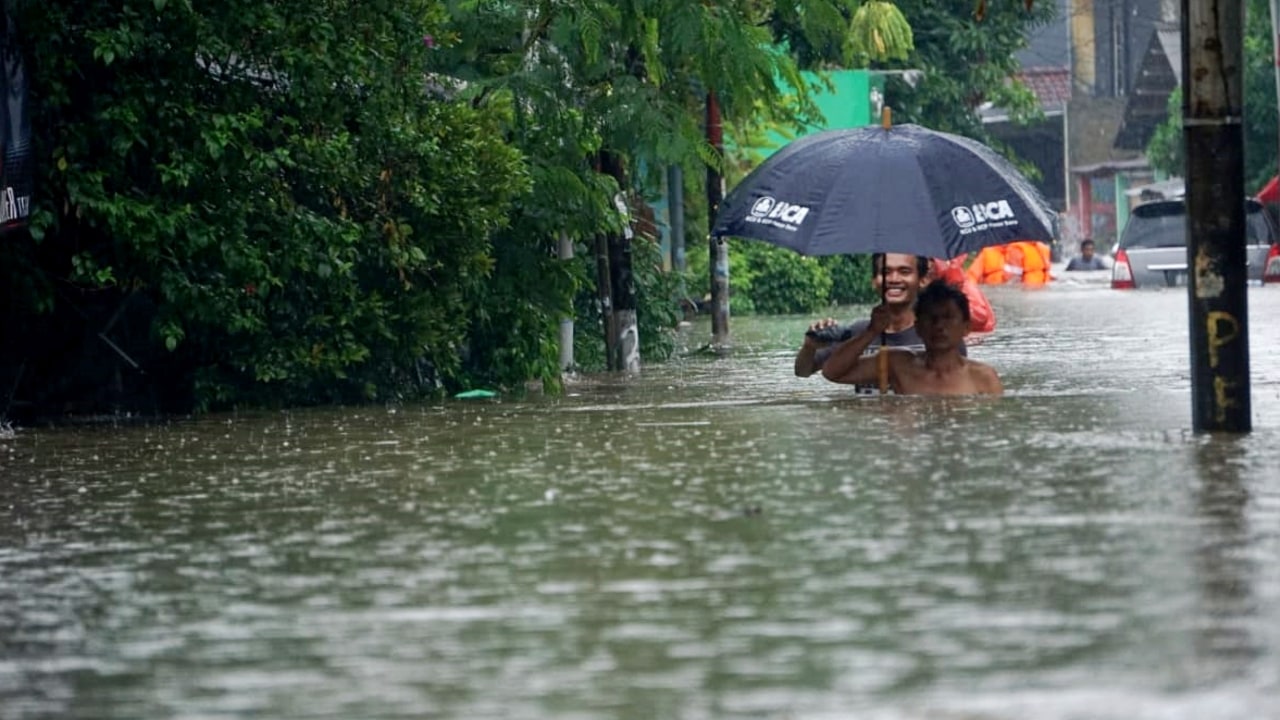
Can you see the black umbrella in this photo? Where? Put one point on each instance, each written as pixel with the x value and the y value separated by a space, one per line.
pixel 902 189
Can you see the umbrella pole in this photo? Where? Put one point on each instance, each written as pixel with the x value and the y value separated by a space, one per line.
pixel 882 357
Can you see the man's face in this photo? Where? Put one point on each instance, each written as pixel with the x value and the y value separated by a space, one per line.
pixel 941 325
pixel 900 281
pixel 1086 251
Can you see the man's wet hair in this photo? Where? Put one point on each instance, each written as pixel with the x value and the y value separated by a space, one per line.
pixel 877 261
pixel 936 293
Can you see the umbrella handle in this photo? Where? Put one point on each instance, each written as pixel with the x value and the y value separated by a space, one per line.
pixel 882 357
pixel 882 363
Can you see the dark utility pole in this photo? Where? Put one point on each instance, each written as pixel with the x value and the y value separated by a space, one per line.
pixel 718 246
pixel 604 293
pixel 1212 107
pixel 624 351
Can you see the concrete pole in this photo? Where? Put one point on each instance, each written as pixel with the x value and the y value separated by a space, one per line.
pixel 719 249
pixel 1212 108
pixel 623 284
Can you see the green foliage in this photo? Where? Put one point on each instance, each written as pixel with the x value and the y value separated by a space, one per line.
pixel 880 33
pixel 850 279
pixel 341 201
pixel 965 62
pixel 310 225
pixel 657 311
pixel 817 32
pixel 1166 151
pixel 1260 110
pixel 582 81
pixel 782 282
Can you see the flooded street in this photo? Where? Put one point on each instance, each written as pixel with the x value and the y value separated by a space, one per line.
pixel 714 538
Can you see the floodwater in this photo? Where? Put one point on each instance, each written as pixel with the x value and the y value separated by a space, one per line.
pixel 713 538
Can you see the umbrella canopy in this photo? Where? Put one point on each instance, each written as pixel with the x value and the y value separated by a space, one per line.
pixel 904 189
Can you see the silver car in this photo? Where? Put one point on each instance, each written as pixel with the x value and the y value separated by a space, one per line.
pixel 1152 251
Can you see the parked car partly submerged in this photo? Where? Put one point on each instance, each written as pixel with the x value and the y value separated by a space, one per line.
pixel 1152 251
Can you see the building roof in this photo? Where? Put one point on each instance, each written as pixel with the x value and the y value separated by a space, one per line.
pixel 1171 43
pixel 1050 85
pixel 1158 75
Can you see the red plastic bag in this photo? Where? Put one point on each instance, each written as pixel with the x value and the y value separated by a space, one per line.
pixel 982 319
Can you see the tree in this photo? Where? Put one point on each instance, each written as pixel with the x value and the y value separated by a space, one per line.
pixel 296 202
pixel 587 85
pixel 259 202
pixel 1165 149
pixel 968 59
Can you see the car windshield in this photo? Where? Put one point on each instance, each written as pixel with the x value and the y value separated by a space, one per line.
pixel 1164 224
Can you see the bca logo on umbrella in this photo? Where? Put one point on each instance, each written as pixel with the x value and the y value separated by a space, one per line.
pixel 771 211
pixel 981 216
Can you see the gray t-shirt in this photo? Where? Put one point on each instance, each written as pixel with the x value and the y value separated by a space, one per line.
pixel 1094 263
pixel 908 339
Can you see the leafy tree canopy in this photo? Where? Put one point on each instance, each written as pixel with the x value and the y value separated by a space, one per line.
pixel 307 223
pixel 1165 149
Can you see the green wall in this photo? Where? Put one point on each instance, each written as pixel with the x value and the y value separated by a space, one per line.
pixel 846 105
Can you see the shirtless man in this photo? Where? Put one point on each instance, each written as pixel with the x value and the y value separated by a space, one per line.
pixel 942 319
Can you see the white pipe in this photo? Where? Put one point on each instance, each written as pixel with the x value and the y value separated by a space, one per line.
pixel 565 251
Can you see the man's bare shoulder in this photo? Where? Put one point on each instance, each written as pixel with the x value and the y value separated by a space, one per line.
pixel 984 377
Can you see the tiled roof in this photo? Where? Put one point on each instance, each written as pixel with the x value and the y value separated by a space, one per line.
pixel 1051 85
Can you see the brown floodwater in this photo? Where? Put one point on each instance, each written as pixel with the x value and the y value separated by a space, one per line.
pixel 710 538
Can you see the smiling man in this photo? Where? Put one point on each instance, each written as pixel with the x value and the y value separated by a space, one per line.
pixel 900 282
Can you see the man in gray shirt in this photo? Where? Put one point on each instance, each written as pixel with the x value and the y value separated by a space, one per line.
pixel 1087 260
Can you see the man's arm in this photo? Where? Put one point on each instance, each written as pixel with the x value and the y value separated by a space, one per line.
pixel 813 352
pixel 866 371
pixel 846 364
pixel 807 360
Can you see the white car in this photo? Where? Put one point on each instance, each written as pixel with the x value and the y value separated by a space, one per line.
pixel 1152 251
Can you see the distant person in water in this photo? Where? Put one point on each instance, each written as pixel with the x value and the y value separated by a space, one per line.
pixel 942 319
pixel 1086 260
